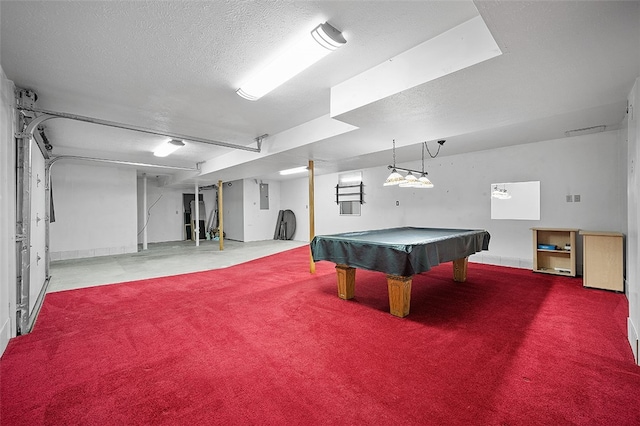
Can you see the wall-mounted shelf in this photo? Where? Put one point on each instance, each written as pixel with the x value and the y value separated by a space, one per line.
pixel 554 251
pixel 352 195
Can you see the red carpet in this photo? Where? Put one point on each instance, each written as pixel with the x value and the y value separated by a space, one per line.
pixel 267 343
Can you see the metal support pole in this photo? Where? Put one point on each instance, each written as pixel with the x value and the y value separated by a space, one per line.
pixel 312 224
pixel 220 216
pixel 145 219
pixel 196 225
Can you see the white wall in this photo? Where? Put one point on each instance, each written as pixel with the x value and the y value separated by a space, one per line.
pixel 164 217
pixel 633 242
pixel 165 206
pixel 260 225
pixel 378 211
pixel 591 166
pixel 95 210
pixel 233 204
pixel 7 215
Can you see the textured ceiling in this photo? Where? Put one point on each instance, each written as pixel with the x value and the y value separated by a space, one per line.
pixel 174 66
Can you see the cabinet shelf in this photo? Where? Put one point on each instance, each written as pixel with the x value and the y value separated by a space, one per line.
pixel 558 261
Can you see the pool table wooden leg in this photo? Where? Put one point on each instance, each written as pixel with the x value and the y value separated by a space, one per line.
pixel 346 281
pixel 460 269
pixel 399 295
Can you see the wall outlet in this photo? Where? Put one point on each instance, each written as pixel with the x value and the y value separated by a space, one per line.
pixel 569 198
pixel 576 198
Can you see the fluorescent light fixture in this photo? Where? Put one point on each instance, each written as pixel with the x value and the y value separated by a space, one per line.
pixel 293 171
pixel 323 40
pixel 167 148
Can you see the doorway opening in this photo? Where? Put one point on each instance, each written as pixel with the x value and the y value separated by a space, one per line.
pixel 188 201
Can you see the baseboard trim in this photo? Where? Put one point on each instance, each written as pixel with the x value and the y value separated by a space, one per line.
pixel 97 252
pixel 511 262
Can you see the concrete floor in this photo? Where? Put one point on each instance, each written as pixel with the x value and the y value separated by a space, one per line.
pixel 160 259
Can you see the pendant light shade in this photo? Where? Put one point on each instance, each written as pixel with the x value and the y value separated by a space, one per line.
pixel 410 178
pixel 394 178
pixel 421 182
pixel 425 182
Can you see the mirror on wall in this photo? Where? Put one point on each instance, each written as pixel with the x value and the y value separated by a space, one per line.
pixel 515 200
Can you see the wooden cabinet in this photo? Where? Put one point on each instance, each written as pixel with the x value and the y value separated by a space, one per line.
pixel 603 260
pixel 554 251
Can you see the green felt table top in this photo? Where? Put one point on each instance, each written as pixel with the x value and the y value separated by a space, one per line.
pixel 399 251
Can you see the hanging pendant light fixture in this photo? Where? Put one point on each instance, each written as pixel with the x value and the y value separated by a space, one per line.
pixel 423 181
pixel 394 178
pixel 410 180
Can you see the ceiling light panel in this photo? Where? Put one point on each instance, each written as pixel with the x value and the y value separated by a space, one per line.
pixel 293 171
pixel 168 147
pixel 314 46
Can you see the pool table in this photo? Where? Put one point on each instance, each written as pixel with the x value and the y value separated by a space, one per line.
pixel 400 253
